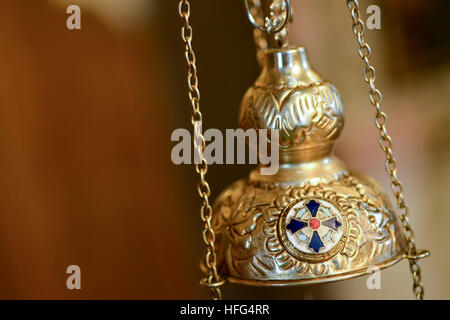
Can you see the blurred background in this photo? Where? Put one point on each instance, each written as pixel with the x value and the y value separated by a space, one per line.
pixel 86 118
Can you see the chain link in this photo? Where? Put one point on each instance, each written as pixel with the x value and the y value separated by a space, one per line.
pixel 213 281
pixel 385 142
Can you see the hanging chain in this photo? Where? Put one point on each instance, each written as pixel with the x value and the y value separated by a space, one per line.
pixel 213 280
pixel 277 15
pixel 385 141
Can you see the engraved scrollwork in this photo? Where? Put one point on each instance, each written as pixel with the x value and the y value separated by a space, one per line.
pixel 312 115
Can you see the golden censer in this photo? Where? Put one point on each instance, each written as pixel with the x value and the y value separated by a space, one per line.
pixel 313 221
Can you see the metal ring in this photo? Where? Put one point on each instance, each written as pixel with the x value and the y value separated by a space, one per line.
pixel 263 29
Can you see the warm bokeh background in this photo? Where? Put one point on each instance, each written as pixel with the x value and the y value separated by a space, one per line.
pixel 86 118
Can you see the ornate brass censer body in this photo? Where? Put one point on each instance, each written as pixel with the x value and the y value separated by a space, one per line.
pixel 314 221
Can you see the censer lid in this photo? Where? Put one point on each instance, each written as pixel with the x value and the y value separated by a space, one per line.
pixel 313 221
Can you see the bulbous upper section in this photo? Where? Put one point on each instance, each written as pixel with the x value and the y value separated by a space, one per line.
pixel 291 97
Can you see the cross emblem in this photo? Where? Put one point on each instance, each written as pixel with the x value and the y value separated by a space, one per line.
pixel 325 226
